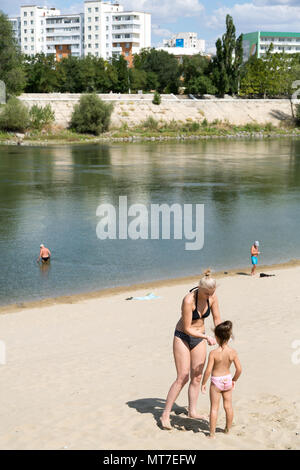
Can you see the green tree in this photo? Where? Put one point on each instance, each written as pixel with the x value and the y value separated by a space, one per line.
pixel 228 61
pixel 121 67
pixel 41 74
pixel 14 116
pixel 11 68
pixel 91 115
pixel 162 70
pixel 197 75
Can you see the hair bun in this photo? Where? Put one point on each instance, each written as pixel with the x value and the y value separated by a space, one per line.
pixel 207 273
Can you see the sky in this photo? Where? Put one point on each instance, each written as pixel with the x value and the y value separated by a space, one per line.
pixel 205 17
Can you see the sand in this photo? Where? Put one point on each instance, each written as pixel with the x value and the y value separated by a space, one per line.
pixel 94 374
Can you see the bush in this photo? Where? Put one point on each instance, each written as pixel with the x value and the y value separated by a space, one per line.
pixel 14 116
pixel 151 124
pixel 91 115
pixel 156 98
pixel 41 116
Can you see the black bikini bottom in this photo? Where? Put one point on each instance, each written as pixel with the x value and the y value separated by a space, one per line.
pixel 191 340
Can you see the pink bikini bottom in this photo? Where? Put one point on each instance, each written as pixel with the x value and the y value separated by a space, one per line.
pixel 222 383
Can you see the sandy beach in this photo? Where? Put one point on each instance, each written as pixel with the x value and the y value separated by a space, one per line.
pixel 93 373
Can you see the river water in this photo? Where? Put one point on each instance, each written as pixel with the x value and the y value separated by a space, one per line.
pixel 250 191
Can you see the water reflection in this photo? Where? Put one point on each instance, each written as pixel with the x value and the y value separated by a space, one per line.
pixel 50 194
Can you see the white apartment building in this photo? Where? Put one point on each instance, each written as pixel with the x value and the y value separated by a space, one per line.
pixel 65 35
pixel 16 26
pixel 131 32
pixel 186 41
pixel 103 30
pixel 111 31
pixel 33 28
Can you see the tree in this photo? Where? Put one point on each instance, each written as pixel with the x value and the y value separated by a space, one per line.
pixel 91 115
pixel 162 70
pixel 121 66
pixel 11 69
pixel 228 60
pixel 41 74
pixel 196 72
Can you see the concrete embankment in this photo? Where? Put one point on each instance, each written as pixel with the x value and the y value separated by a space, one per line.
pixel 134 109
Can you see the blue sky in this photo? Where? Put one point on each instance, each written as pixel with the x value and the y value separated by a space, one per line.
pixel 206 17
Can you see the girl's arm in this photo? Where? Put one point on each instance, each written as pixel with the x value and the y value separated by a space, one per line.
pixel 208 371
pixel 215 310
pixel 238 367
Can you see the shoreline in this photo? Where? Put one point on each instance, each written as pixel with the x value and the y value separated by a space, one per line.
pixel 134 137
pixel 106 292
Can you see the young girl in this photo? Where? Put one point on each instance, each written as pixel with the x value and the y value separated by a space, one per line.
pixel 219 362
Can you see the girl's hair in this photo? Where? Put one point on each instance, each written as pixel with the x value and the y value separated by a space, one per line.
pixel 207 282
pixel 223 332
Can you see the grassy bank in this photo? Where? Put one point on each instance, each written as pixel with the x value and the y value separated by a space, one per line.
pixel 153 130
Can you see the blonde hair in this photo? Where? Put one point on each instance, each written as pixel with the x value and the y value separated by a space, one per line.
pixel 207 282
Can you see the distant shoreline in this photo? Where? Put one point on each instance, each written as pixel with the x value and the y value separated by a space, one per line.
pixel 153 138
pixel 129 289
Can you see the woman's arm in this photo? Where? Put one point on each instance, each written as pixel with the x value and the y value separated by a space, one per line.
pixel 215 310
pixel 187 315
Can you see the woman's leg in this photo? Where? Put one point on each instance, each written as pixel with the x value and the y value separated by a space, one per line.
pixel 215 396
pixel 227 403
pixel 198 357
pixel 182 359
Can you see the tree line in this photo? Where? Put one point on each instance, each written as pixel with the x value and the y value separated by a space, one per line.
pixel 224 73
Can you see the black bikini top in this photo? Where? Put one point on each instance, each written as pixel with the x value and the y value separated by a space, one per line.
pixel 196 315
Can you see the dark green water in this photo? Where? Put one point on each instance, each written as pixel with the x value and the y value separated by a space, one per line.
pixel 250 189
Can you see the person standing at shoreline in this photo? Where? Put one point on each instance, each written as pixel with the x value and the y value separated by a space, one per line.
pixel 254 256
pixel 189 344
pixel 45 254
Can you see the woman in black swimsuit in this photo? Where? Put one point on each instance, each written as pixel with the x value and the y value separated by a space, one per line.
pixel 189 345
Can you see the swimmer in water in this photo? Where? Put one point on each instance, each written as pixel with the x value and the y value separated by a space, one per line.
pixel 45 254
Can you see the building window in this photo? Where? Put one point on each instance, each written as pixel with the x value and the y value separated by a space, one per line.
pixel 89 28
pixel 96 36
pixel 25 13
pixel 97 18
pixel 25 23
pixel 97 46
pixel 107 28
pixel 31 22
pixel 25 48
pixel 31 13
pixel 32 48
pixel 89 36
pixel 89 10
pixel 96 9
pixel 89 19
pixel 25 31
pixel 96 28
pixel 32 39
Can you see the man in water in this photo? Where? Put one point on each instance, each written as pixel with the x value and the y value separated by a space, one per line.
pixel 44 254
pixel 254 256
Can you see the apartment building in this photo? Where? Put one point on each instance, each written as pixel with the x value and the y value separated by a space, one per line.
pixel 16 26
pixel 186 41
pixel 65 35
pixel 33 28
pixel 257 43
pixel 104 30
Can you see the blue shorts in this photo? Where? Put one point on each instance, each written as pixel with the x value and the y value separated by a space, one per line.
pixel 254 259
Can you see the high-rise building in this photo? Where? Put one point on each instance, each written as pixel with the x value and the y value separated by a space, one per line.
pixel 103 30
pixel 33 28
pixel 257 43
pixel 65 35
